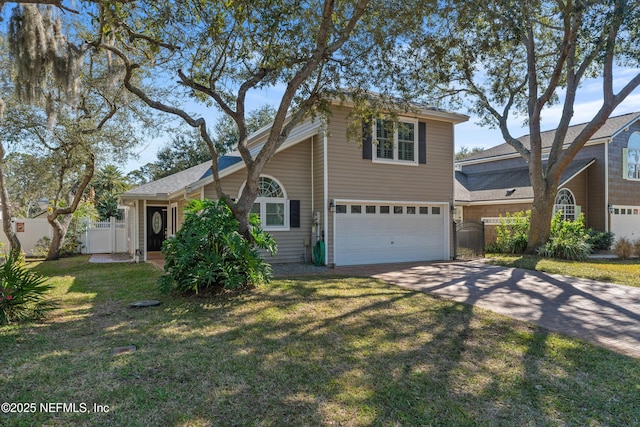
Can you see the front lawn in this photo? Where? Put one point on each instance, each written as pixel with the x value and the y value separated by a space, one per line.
pixel 300 352
pixel 605 270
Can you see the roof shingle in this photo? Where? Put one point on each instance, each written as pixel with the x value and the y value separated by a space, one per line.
pixel 611 126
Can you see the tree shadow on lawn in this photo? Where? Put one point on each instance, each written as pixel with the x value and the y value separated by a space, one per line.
pixel 315 351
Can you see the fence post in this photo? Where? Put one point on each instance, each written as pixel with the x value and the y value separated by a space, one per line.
pixel 455 240
pixel 112 231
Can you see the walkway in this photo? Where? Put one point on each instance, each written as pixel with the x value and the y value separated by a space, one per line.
pixel 602 313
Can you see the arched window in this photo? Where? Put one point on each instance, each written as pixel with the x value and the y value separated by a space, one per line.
pixel 631 156
pixel 271 204
pixel 565 203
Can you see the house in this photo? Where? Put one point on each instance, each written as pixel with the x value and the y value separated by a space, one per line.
pixel 388 199
pixel 602 182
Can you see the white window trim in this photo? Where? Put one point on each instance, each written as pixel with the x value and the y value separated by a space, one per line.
pixel 395 160
pixel 263 206
pixel 573 209
pixel 173 225
pixel 625 158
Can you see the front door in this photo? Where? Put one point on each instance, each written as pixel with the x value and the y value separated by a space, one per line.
pixel 156 227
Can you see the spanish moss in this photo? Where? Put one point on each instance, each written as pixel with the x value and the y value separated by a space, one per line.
pixel 43 55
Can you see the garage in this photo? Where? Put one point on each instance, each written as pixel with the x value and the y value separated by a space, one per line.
pixel 625 222
pixel 376 233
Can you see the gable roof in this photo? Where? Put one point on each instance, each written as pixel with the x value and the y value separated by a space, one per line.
pixel 176 182
pixel 200 175
pixel 506 184
pixel 612 126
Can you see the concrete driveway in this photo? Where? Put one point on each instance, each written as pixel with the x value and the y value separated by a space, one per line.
pixel 602 313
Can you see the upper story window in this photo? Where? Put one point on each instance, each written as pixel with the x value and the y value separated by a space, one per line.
pixel 271 204
pixel 395 142
pixel 631 158
pixel 566 203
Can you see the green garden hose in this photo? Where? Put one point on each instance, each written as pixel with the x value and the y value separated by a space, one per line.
pixel 318 253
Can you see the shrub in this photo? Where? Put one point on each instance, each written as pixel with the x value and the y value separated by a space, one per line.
pixel 600 240
pixel 513 233
pixel 42 247
pixel 568 240
pixel 71 246
pixel 208 252
pixel 636 247
pixel 492 248
pixel 623 248
pixel 22 292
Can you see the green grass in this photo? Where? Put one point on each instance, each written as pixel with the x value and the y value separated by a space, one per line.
pixel 301 352
pixel 624 272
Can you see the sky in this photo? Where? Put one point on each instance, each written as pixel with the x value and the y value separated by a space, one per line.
pixel 469 134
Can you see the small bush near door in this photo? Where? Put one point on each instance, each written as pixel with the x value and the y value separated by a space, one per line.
pixel 513 233
pixel 209 253
pixel 568 240
pixel 600 240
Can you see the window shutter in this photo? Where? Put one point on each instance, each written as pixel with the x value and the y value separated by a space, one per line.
pixel 294 213
pixel 366 140
pixel 422 142
pixel 625 164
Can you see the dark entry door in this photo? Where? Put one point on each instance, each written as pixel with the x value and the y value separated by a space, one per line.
pixel 156 227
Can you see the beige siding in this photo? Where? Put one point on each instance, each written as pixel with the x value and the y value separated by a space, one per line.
pixel 594 206
pixel 318 188
pixel 578 186
pixel 352 177
pixel 292 168
pixel 181 205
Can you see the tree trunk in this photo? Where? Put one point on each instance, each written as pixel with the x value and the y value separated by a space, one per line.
pixel 541 213
pixel 60 228
pixel 242 208
pixel 14 244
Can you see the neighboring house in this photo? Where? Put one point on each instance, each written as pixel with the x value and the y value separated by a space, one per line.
pixel 602 182
pixel 388 199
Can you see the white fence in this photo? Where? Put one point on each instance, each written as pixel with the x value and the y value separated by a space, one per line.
pixel 99 237
pixel 28 231
pixel 105 237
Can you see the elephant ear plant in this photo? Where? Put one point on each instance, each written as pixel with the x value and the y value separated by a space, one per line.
pixel 209 253
pixel 22 292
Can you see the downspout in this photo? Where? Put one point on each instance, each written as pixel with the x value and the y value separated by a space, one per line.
pixel 325 143
pixel 606 186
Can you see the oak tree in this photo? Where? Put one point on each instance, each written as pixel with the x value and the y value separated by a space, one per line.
pixel 513 59
pixel 221 51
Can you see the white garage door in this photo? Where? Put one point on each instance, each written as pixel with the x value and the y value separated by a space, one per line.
pixel 625 222
pixel 382 233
